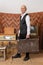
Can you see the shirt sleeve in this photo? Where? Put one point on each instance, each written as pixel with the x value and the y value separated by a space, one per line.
pixel 18 32
pixel 28 24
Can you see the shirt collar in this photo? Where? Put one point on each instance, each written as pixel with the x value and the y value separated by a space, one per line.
pixel 23 14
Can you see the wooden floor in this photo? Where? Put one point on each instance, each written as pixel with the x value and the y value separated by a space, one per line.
pixel 35 59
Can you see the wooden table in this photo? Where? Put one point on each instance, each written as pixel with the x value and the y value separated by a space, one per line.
pixel 5 42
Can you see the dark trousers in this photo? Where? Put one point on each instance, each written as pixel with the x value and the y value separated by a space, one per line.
pixel 23 36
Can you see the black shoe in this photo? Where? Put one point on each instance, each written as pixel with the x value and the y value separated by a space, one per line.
pixel 26 58
pixel 16 56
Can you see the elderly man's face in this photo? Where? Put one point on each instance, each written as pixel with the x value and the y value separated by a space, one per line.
pixel 23 9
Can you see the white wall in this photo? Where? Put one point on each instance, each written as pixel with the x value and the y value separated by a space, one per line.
pixel 13 6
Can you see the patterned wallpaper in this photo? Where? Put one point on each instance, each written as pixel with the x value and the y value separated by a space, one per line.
pixel 8 20
pixel 12 20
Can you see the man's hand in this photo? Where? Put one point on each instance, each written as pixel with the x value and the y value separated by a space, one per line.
pixel 27 36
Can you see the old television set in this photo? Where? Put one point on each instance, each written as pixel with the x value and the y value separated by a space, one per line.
pixel 34 31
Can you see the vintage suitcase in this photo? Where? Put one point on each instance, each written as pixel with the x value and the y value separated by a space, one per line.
pixel 28 45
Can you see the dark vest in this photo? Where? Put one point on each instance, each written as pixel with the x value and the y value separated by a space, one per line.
pixel 23 26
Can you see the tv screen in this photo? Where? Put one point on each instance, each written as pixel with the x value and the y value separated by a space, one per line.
pixel 33 30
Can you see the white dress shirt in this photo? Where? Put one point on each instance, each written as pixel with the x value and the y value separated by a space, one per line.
pixel 27 23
